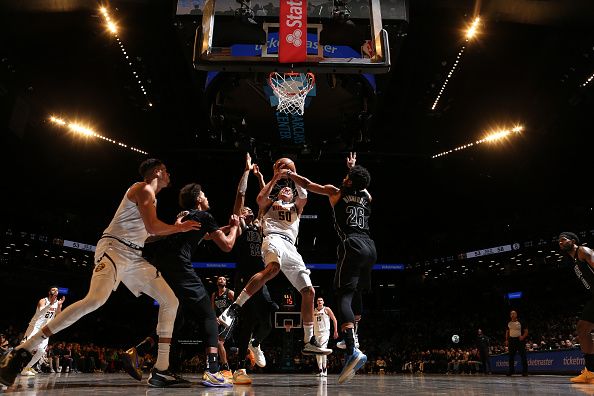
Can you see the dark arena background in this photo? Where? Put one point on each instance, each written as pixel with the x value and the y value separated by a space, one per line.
pixel 476 128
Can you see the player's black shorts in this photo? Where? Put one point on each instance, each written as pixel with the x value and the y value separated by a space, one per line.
pixel 356 256
pixel 588 312
pixel 224 332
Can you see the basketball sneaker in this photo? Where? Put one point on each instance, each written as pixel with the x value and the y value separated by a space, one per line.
pixel 313 348
pixel 586 377
pixel 131 365
pixel 352 364
pixel 342 344
pixel 28 372
pixel 227 374
pixel 11 364
pixel 325 372
pixel 240 377
pixel 166 379
pixel 229 315
pixel 216 380
pixel 258 354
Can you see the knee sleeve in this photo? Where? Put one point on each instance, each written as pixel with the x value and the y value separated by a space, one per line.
pixel 168 304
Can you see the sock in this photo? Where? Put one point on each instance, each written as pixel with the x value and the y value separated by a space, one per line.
pixel 32 343
pixel 307 331
pixel 145 346
pixel 212 363
pixel 162 363
pixel 589 358
pixel 348 335
pixel 320 363
pixel 243 297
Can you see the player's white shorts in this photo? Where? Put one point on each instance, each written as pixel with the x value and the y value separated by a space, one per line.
pixel 322 338
pixel 276 249
pixel 115 260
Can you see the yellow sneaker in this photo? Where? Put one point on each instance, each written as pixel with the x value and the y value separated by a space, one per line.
pixel 586 377
pixel 227 374
pixel 240 377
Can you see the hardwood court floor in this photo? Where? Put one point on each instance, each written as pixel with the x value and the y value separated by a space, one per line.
pixel 298 384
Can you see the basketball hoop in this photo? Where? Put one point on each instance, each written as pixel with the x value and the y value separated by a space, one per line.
pixel 288 325
pixel 291 89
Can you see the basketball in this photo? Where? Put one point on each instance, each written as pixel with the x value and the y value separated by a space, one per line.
pixel 286 163
pixel 455 338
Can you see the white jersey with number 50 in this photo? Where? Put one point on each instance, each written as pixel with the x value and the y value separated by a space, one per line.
pixel 282 218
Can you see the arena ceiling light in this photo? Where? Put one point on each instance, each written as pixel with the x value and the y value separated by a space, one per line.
pixel 490 138
pixel 588 81
pixel 112 27
pixel 471 33
pixel 85 131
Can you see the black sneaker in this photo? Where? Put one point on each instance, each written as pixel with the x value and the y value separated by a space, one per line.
pixel 167 379
pixel 11 365
pixel 131 365
pixel 229 316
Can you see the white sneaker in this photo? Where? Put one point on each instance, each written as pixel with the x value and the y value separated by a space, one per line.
pixel 229 315
pixel 342 344
pixel 258 354
pixel 325 373
pixel 313 348
pixel 28 372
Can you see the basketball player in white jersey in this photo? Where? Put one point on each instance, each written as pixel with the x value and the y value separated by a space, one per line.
pixel 118 258
pixel 322 317
pixel 280 228
pixel 47 309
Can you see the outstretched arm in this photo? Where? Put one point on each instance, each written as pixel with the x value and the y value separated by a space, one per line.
pixel 144 197
pixel 224 241
pixel 304 182
pixel 242 187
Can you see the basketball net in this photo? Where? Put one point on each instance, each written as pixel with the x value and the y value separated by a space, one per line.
pixel 288 327
pixel 291 89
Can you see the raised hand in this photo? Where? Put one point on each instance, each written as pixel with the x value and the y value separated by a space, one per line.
pixel 248 162
pixel 351 160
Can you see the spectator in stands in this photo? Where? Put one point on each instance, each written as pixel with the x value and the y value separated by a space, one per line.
pixel 4 346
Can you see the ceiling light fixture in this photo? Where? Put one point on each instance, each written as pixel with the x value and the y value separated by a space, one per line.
pixel 490 138
pixel 471 32
pixel 113 28
pixel 88 132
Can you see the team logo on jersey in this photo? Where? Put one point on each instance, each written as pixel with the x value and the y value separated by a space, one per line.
pixel 99 267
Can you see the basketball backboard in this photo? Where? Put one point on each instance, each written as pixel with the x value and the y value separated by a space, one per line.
pixel 303 38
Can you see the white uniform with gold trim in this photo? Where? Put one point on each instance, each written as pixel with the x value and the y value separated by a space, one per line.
pixel 281 227
pixel 321 326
